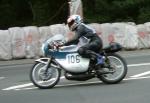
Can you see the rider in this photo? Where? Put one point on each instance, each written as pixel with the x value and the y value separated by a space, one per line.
pixel 82 30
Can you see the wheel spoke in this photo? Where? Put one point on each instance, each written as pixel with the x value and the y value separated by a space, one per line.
pixel 44 79
pixel 118 65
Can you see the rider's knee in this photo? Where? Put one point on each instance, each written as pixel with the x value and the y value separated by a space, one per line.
pixel 81 51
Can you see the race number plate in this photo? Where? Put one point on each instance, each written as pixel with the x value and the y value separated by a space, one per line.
pixel 73 58
pixel 75 63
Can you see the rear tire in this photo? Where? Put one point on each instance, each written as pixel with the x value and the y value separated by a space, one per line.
pixel 120 70
pixel 41 80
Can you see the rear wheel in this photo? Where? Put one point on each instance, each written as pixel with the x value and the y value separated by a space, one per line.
pixel 119 67
pixel 43 79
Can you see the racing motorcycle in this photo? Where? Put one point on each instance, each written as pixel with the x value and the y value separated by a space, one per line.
pixel 46 72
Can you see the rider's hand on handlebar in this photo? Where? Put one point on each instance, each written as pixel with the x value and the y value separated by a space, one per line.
pixel 57 46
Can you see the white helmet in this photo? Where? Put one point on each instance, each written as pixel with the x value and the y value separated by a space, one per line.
pixel 73 21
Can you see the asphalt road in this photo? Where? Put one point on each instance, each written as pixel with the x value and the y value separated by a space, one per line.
pixel 15 86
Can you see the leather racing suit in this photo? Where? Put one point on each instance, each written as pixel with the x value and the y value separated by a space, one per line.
pixel 95 42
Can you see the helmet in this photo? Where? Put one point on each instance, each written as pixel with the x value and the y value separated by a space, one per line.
pixel 73 21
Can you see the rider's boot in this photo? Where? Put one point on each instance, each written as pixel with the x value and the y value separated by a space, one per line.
pixel 97 59
pixel 100 64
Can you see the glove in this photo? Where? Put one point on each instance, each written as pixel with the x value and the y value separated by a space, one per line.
pixel 57 46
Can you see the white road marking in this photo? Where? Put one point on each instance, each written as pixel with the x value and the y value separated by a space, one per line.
pixel 136 65
pixel 136 78
pixel 2 78
pixel 141 74
pixel 14 66
pixel 27 88
pixel 23 85
pixel 18 87
pixel 65 85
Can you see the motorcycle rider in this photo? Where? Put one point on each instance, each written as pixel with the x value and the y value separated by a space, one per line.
pixel 90 49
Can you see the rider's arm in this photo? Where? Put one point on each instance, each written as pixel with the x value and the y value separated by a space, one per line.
pixel 79 32
pixel 75 40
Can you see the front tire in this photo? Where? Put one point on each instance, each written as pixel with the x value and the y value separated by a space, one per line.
pixel 44 80
pixel 119 66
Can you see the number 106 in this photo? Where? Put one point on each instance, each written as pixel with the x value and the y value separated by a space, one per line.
pixel 73 58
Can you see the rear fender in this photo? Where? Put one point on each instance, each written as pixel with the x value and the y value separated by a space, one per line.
pixel 112 48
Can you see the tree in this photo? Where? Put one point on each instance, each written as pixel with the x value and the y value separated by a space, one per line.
pixel 47 12
pixel 32 12
pixel 14 13
pixel 117 11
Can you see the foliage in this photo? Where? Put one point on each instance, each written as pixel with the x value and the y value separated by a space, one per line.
pixel 47 12
pixel 32 12
pixel 102 11
pixel 14 12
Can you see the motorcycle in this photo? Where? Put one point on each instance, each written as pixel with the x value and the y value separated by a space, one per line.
pixel 46 72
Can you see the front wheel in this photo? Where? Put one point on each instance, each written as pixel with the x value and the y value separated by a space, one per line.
pixel 119 67
pixel 43 79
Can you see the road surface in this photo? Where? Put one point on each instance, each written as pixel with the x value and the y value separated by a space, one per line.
pixel 15 86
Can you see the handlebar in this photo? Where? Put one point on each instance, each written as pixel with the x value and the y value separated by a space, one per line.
pixel 56 44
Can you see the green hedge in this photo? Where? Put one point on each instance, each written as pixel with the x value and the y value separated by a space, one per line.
pixel 32 12
pixel 102 11
pixel 47 12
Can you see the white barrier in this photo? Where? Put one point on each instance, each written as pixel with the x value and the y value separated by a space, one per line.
pixel 32 41
pixel 107 34
pixel 17 42
pixel 26 42
pixel 5 45
pixel 147 32
pixel 131 38
pixel 45 33
pixel 144 38
pixel 119 33
pixel 57 29
pixel 97 28
pixel 126 35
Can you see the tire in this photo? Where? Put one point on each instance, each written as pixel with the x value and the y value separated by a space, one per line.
pixel 110 78
pixel 42 81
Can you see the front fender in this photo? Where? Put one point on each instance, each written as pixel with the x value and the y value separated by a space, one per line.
pixel 54 63
pixel 43 60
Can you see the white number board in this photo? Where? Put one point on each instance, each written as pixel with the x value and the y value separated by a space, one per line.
pixel 73 58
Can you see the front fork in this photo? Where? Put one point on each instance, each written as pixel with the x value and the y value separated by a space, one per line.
pixel 48 65
pixel 46 61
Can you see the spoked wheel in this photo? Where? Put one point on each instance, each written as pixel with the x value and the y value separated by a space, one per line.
pixel 43 79
pixel 118 68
